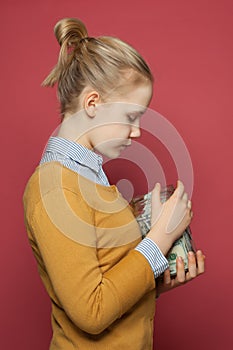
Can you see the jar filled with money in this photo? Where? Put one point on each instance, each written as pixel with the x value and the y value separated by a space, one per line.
pixel 142 210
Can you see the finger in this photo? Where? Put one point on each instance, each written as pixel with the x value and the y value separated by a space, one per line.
pixel 188 277
pixel 156 204
pixel 180 272
pixel 192 266
pixel 189 204
pixel 185 197
pixel 156 201
pixel 200 262
pixel 179 189
pixel 187 217
pixel 167 276
pixel 157 189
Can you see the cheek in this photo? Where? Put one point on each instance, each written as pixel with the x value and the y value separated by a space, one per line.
pixel 116 131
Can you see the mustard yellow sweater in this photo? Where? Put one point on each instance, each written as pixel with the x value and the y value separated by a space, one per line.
pixel 82 235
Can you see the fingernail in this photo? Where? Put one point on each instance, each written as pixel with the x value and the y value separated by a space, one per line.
pixel 180 260
pixel 191 254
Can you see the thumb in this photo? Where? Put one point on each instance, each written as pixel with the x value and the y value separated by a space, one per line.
pixel 179 191
pixel 156 193
pixel 156 204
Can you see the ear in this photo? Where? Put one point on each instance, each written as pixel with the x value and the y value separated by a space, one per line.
pixel 90 103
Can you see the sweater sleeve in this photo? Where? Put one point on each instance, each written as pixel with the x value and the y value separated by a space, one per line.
pixel 93 300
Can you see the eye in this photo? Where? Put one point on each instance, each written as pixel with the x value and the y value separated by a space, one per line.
pixel 132 117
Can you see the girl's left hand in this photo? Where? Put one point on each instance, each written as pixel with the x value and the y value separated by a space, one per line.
pixel 196 267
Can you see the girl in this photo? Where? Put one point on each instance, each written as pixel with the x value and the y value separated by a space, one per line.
pixel 100 275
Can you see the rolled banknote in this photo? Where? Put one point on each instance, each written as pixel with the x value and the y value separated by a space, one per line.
pixel 142 210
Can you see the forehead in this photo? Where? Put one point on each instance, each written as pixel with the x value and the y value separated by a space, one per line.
pixel 134 108
pixel 138 96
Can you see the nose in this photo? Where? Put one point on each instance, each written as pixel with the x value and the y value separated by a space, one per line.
pixel 135 131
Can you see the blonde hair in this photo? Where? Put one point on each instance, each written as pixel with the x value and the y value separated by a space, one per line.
pixel 99 62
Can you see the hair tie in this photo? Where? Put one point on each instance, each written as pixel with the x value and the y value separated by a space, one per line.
pixel 73 45
pixel 86 38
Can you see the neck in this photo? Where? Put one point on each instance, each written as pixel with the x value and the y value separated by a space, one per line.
pixel 74 128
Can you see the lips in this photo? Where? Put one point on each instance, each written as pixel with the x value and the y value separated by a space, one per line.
pixel 124 145
pixel 127 144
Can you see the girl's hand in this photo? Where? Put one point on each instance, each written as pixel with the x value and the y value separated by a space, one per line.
pixel 169 219
pixel 196 267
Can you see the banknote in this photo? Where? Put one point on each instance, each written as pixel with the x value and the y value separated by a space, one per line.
pixel 181 247
pixel 142 210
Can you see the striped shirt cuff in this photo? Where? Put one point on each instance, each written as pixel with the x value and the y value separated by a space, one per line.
pixel 153 254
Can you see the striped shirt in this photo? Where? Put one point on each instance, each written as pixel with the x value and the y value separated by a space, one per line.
pixel 89 164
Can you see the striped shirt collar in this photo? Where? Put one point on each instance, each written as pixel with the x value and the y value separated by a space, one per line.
pixel 75 151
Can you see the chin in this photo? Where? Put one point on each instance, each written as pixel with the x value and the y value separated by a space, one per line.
pixel 112 154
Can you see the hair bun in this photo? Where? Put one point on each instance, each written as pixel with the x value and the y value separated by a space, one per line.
pixel 69 31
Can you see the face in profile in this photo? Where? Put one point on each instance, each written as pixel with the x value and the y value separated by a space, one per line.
pixel 118 121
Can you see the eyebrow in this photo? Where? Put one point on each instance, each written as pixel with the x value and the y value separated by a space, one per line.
pixel 140 111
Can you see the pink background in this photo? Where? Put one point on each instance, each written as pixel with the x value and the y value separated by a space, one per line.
pixel 188 45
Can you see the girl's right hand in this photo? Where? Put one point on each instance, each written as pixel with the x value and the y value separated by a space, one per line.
pixel 169 219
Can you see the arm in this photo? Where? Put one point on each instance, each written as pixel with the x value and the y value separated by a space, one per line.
pixel 92 299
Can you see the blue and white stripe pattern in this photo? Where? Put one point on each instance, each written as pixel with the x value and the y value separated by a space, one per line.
pixel 153 254
pixel 88 164
pixel 77 158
